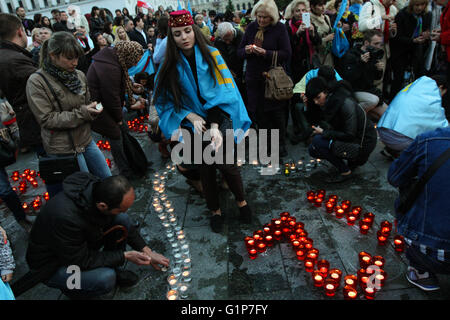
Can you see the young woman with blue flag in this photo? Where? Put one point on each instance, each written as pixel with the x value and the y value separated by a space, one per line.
pixel 195 90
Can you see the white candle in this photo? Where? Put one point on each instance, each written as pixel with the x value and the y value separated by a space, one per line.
pixel 172 295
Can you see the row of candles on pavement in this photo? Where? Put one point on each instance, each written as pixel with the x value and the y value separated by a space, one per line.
pixel 352 214
pixel 138 124
pixel 28 176
pixel 179 278
pixel 291 166
pixel 288 228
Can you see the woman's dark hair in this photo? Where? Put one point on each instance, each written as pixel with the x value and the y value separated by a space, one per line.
pixel 315 86
pixel 162 26
pixel 43 23
pixel 327 73
pixel 37 18
pixel 102 14
pixel 168 78
pixel 107 27
pixel 118 21
pixel 61 43
pixel 94 9
pixel 317 2
pixel 125 14
pixel 111 191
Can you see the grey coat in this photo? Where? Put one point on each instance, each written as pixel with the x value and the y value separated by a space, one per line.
pixel 7 264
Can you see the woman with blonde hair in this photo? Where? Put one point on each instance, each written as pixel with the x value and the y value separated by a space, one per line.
pixel 409 46
pixel 121 35
pixel 264 38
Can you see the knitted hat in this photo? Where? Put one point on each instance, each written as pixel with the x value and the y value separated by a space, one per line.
pixel 180 18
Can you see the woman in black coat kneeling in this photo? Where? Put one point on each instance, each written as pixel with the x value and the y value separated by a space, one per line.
pixel 343 129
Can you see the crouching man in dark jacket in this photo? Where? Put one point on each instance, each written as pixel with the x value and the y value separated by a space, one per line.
pixel 72 228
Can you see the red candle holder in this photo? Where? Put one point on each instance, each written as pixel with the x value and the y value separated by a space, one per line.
pixel 261 247
pixel 25 207
pixel 309 264
pixel 258 234
pixel 399 243
pixel 346 205
pixel 310 196
pixel 350 293
pixel 380 278
pixel 336 275
pixel 318 278
pixel 250 243
pixel 308 243
pixel 369 217
pixel 277 234
pixel 323 266
pixel 382 238
pixel 252 253
pixel 301 254
pixel 362 277
pixel 46 196
pixel 357 211
pixel 363 227
pixel 339 212
pixel 267 230
pixel 330 287
pixel 318 202
pixel 378 261
pixel 293 237
pixel 364 259
pixel 299 225
pixel 386 227
pixel 351 280
pixel 292 224
pixel 321 193
pixel 369 293
pixel 295 244
pixel 351 219
pixel 268 240
pixel 277 224
pixel 329 206
pixel 285 214
pixel 312 253
pixel 333 197
pixel 284 221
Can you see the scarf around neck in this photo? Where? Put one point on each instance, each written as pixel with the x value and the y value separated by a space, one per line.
pixel 69 79
pixel 259 37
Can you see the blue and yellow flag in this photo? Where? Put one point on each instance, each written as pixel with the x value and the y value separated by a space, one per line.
pixel 144 65
pixel 219 92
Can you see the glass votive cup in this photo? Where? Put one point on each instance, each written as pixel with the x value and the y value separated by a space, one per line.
pixel 176 271
pixel 378 261
pixel 172 280
pixel 382 238
pixel 330 287
pixel 399 243
pixel 186 276
pixel 363 227
pixel 184 249
pixel 172 294
pixel 339 212
pixel 350 293
pixel 183 290
pixel 301 254
pixel 187 263
pixel 323 266
pixel 351 280
pixel 351 219
pixel 318 278
pixel 364 259
pixel 336 275
pixel 177 258
pixel 252 253
pixel 369 293
pixel 309 264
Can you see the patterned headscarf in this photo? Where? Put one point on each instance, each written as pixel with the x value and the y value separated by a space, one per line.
pixel 129 54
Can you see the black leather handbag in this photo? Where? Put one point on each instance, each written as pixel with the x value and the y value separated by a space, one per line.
pixel 349 150
pixel 55 168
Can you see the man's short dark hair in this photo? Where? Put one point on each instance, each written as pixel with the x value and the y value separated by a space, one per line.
pixel 55 11
pixel 137 19
pixel 111 191
pixel 369 34
pixel 314 3
pixel 117 10
pixel 9 24
pixel 17 9
pixel 314 87
pixel 327 73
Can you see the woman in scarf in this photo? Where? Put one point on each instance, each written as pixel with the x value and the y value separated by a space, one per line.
pixel 262 39
pixel 76 19
pixel 409 46
pixel 109 82
pixel 196 91
pixel 324 29
pixel 68 130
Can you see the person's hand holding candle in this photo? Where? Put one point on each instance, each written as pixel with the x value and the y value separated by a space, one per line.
pixel 317 130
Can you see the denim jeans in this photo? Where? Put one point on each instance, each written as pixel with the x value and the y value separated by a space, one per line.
pixel 99 281
pixel 320 148
pixel 10 198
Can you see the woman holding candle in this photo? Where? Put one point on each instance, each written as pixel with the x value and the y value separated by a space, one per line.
pixel 194 90
pixel 345 128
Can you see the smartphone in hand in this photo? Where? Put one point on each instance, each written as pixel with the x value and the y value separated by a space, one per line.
pixel 306 19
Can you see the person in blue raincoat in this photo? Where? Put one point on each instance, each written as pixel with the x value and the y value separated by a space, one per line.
pixel 416 109
pixel 195 90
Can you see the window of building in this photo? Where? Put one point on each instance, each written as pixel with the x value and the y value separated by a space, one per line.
pixel 33 5
pixel 10 8
pixel 238 6
pixel 46 3
pixel 21 4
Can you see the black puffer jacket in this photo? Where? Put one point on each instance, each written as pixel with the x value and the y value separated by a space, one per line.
pixel 344 119
pixel 69 230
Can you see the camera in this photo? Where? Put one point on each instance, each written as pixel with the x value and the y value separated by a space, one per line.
pixel 375 54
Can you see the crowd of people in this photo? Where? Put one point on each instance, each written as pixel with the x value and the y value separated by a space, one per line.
pixel 361 71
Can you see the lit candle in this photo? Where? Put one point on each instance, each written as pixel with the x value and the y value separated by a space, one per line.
pixel 330 287
pixel 382 238
pixel 378 261
pixel 351 219
pixel 172 295
pixel 277 234
pixel 252 253
pixel 369 293
pixel 362 277
pixel 350 280
pixel 318 201
pixel 329 207
pixel 268 240
pixel 172 280
pixel 357 211
pixel 300 253
pixel 339 212
pixel 183 289
pixel 346 204
pixel 309 264
pixel 323 266
pixel 364 259
pixel 299 166
pixel 318 278
pixel 308 243
pixel 350 293
pixel 186 276
pixel 380 278
pixel 261 247
pixel 386 227
pixel 369 217
pixel 363 227
pixel 336 275
pixel 399 243
pixel 250 243
pixel 310 196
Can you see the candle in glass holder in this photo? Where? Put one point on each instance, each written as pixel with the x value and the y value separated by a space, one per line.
pixel 378 261
pixel 399 243
pixel 339 212
pixel 277 234
pixel 323 266
pixel 299 166
pixel 364 259
pixel 318 278
pixel 351 280
pixel 299 225
pixel 310 196
pixel 350 293
pixel 318 201
pixel 252 253
pixel 369 217
pixel 363 227
pixel 277 224
pixel 308 243
pixel 267 230
pixel 186 276
pixel 380 278
pixel 172 295
pixel 163 197
pixel 313 253
pixel 309 264
pixel 382 238
pixel 172 280
pixel 285 214
pixel 183 290
pixel 362 277
pixel 300 253
pixel 336 275
pixel 346 204
pixel 330 287
pixel 329 207
pixel 351 219
pixel 261 247
pixel 386 227
pixel 369 293
pixel 295 244
pixel 249 242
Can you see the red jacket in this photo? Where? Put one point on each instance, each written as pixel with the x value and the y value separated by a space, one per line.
pixel 445 29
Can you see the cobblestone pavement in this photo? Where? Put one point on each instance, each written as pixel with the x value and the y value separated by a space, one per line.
pixel 221 268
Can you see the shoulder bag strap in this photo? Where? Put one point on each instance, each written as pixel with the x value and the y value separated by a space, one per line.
pixel 59 104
